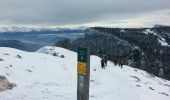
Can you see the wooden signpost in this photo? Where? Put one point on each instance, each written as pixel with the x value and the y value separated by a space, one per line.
pixel 83 72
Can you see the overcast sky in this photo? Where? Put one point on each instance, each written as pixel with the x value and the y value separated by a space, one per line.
pixel 116 13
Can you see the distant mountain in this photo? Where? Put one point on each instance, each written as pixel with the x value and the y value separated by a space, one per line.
pixel 143 48
pixel 160 26
pixel 45 29
pixel 19 45
pixel 32 38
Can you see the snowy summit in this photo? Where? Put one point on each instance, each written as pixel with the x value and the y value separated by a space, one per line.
pixel 51 74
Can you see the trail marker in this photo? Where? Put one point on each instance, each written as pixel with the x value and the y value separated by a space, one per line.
pixel 83 74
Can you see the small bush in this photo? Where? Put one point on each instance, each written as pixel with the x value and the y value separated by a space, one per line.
pixel 55 54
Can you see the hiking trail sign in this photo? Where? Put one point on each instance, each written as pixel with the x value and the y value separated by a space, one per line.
pixel 83 74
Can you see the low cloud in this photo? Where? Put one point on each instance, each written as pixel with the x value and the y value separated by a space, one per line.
pixel 68 12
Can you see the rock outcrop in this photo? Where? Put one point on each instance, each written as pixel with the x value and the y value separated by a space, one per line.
pixel 5 84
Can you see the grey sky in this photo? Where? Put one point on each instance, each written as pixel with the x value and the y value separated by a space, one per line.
pixel 85 12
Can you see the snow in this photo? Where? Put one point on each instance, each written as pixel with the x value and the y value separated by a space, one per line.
pixel 42 76
pixel 39 28
pixel 149 31
pixel 122 30
pixel 163 42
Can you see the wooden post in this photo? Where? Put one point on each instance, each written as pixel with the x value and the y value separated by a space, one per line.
pixel 83 74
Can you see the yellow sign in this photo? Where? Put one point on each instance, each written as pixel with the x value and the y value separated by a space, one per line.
pixel 81 68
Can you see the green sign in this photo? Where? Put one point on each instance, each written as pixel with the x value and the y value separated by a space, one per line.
pixel 82 55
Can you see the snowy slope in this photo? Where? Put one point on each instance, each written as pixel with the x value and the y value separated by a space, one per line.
pixel 42 76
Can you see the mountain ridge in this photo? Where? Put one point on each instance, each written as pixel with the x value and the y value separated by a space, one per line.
pixel 39 28
pixel 143 48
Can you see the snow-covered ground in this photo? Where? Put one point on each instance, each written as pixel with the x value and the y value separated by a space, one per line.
pixel 42 76
pixel 149 31
pixel 163 42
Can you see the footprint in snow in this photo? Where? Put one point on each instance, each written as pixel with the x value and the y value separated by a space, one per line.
pixel 8 74
pixel 138 85
pixel 92 81
pixel 28 70
pixel 147 83
pixel 18 56
pixel 151 88
pixel 58 95
pixel 92 96
pixel 137 79
pixel 135 70
pixel 6 54
pixel 163 93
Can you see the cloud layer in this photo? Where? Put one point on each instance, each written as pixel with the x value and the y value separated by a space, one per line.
pixel 84 12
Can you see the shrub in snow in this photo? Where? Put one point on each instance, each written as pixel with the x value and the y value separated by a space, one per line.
pixel 1 59
pixel 18 56
pixel 55 54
